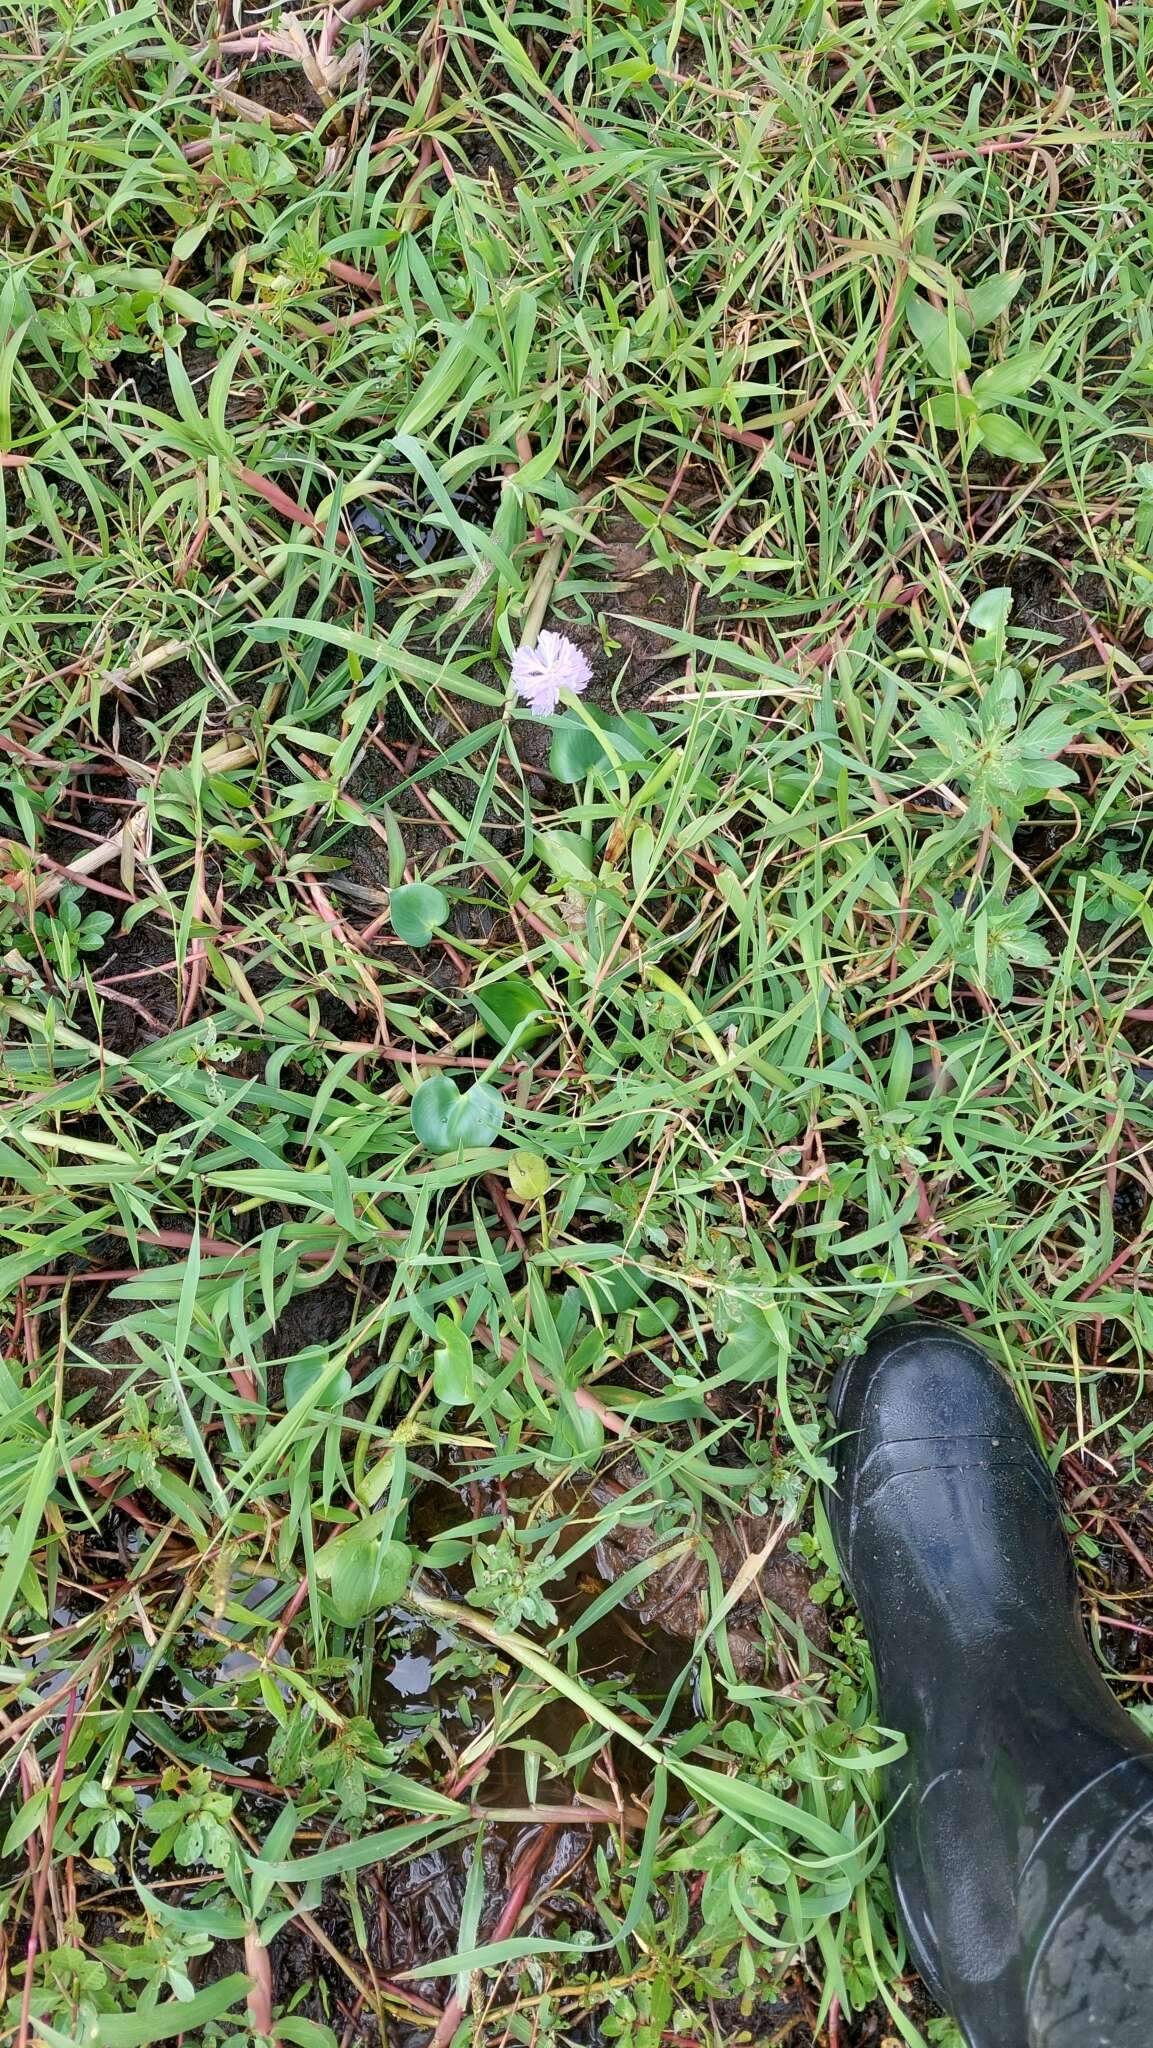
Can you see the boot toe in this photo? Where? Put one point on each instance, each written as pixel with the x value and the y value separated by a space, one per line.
pixel 919 1381
pixel 920 1395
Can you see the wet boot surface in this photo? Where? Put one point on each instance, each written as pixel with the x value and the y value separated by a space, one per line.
pixel 1021 1830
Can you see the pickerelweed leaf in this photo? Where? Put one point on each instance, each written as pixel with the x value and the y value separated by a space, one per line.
pixel 305 1370
pixel 528 1176
pixel 576 750
pixel 393 1571
pixel 512 1007
pixel 568 854
pixel 416 910
pixel 453 1375
pixel 446 1118
pixel 989 613
pixel 349 1565
pixel 951 410
pixel 362 1573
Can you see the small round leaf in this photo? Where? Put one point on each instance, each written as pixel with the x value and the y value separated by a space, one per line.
pixel 393 1570
pixel 416 910
pixel 445 1118
pixel 528 1176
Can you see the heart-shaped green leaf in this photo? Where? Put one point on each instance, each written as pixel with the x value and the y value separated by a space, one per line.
pixel 576 749
pixel 416 910
pixel 445 1118
pixel 362 1574
pixel 302 1372
pixel 393 1571
pixel 348 1564
pixel 619 1287
pixel 989 613
pixel 567 854
pixel 951 410
pixel 511 1007
pixel 453 1377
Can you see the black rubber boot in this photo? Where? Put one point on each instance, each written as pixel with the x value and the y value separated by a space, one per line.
pixel 1021 1844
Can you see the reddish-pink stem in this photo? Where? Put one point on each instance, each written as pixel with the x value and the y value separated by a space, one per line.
pixel 24 2034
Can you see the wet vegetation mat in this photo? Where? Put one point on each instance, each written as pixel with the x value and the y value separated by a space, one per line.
pixel 446 1150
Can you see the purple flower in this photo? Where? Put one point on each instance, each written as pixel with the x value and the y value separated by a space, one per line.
pixel 540 673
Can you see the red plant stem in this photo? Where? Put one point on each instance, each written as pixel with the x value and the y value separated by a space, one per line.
pixel 41 1889
pixel 522 1877
pixel 1123 1256
pixel 286 1620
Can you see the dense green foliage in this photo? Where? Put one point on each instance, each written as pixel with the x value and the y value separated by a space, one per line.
pixel 443 1154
